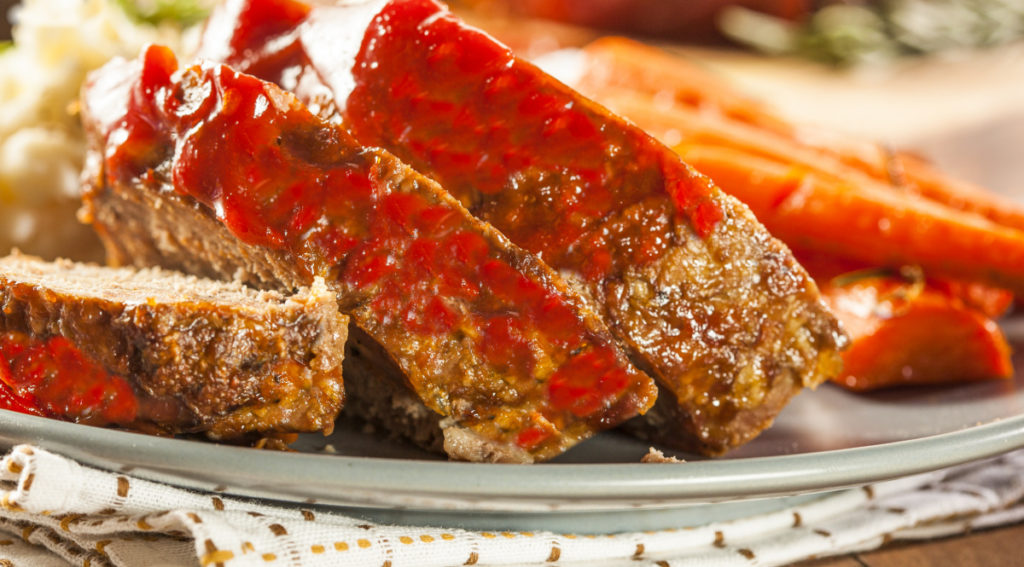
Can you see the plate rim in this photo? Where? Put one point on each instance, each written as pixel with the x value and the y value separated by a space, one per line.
pixel 499 487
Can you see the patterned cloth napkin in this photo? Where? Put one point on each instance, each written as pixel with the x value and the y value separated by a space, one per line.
pixel 54 511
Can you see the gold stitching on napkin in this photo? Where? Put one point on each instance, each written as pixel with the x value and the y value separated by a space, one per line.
pixel 122 486
pixel 67 520
pixel 214 555
pixel 7 504
pixel 27 531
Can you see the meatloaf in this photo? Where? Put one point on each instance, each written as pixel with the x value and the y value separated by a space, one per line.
pixel 691 285
pixel 215 172
pixel 161 352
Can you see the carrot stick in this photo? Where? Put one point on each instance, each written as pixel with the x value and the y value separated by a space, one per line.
pixel 907 171
pixel 869 223
pixel 868 163
pixel 618 67
pixel 675 125
pixel 621 62
pixel 932 184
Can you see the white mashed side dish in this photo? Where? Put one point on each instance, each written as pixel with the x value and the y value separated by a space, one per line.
pixel 42 146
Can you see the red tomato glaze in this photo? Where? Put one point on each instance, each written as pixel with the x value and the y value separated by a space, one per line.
pixel 407 260
pixel 52 378
pixel 537 160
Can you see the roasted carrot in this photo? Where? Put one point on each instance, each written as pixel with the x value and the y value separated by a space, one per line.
pixel 621 62
pixel 932 184
pixel 908 329
pixel 906 171
pixel 857 204
pixel 868 223
pixel 932 339
pixel 675 125
pixel 634 79
pixel 834 271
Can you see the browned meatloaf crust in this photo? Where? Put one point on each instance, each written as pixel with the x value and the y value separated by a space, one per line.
pixel 694 288
pixel 209 171
pixel 199 355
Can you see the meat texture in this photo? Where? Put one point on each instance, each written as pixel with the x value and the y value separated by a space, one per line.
pixel 215 172
pixel 692 286
pixel 161 352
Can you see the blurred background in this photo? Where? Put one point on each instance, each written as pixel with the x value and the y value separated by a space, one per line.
pixel 5 26
pixel 941 78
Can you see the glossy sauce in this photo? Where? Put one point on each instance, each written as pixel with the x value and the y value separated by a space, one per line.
pixel 592 195
pixel 520 150
pixel 541 163
pixel 408 263
pixel 52 378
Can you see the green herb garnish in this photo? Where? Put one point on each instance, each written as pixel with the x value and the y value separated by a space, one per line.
pixel 856 32
pixel 182 12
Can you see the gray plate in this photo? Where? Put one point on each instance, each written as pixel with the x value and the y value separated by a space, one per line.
pixel 824 441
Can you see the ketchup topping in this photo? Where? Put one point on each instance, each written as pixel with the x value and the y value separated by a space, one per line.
pixel 543 164
pixel 52 378
pixel 407 260
pixel 540 162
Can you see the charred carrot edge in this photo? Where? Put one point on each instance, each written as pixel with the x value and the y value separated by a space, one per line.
pixel 866 222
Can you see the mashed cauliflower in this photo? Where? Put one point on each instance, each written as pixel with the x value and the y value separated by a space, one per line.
pixel 56 43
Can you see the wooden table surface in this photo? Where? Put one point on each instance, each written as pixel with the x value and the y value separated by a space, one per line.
pixel 990 548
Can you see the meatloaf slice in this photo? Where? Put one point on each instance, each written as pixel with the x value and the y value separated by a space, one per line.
pixel 159 351
pixel 216 172
pixel 695 289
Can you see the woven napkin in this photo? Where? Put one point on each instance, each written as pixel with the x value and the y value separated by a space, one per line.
pixel 54 511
